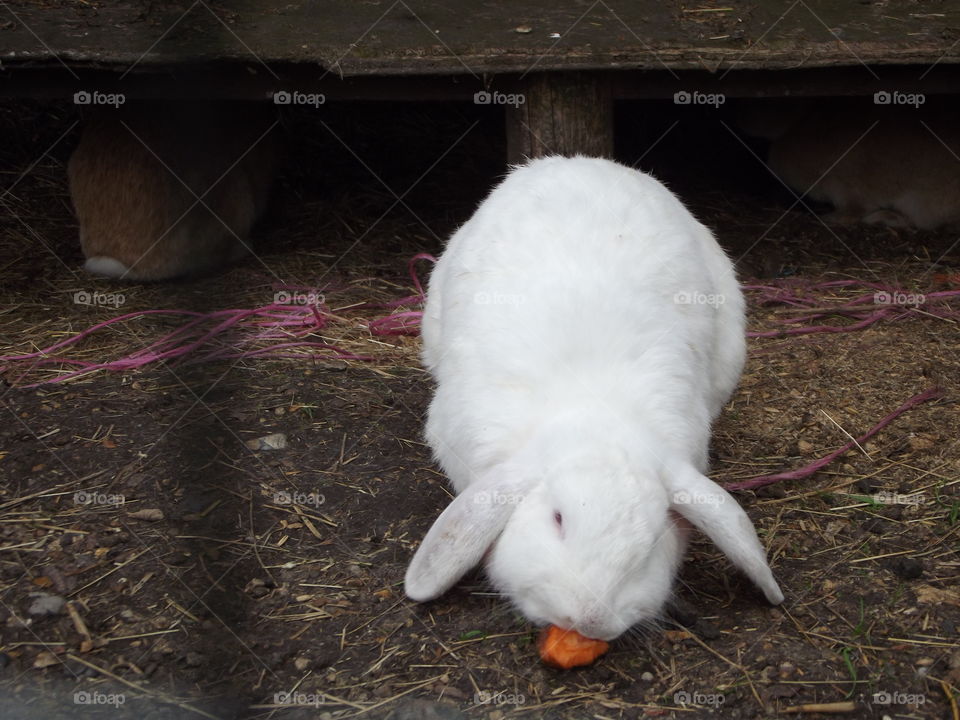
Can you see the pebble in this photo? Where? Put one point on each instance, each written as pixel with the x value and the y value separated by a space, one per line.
pixel 867 485
pixel 906 568
pixel 276 441
pixel 683 612
pixel 383 690
pixel 301 663
pixel 647 676
pixel 706 629
pixel 423 709
pixel 44 604
pixel 150 514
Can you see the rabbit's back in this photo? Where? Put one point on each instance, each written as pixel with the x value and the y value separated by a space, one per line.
pixel 876 164
pixel 579 283
pixel 162 190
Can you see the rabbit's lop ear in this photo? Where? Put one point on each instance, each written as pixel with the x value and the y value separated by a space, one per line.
pixel 461 535
pixel 720 517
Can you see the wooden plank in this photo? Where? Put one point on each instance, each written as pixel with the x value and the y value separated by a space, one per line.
pixel 401 37
pixel 560 114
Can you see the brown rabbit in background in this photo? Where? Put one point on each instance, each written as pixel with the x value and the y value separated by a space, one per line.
pixel 903 172
pixel 129 180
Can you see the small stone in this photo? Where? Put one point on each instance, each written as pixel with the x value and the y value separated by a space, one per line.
pixel 787 670
pixel 776 491
pixel 423 709
pixel 683 612
pixel 276 441
pixel 647 677
pixel 867 485
pixel 149 514
pixel 780 691
pixel 452 691
pixel 523 29
pixel 804 447
pixel 301 663
pixel 45 659
pixel 906 568
pixel 383 690
pixel 706 630
pixel 44 604
pixel 193 659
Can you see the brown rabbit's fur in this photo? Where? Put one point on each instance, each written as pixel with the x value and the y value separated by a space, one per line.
pixel 138 221
pixel 903 171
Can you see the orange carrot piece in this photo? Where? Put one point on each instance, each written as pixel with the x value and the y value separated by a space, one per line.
pixel 567 649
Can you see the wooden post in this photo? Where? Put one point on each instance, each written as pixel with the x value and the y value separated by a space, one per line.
pixel 563 113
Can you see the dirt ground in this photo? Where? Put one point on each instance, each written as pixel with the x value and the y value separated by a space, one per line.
pixel 152 565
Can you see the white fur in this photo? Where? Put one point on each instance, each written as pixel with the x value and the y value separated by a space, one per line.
pixel 572 378
pixel 107 267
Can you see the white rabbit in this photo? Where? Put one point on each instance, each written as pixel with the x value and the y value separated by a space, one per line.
pixel 584 330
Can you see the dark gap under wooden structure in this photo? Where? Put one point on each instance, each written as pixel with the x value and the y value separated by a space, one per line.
pixel 568 62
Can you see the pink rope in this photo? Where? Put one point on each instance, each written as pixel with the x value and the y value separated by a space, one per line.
pixel 407 322
pixel 808 470
pixel 280 321
pixel 797 293
pixel 273 321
